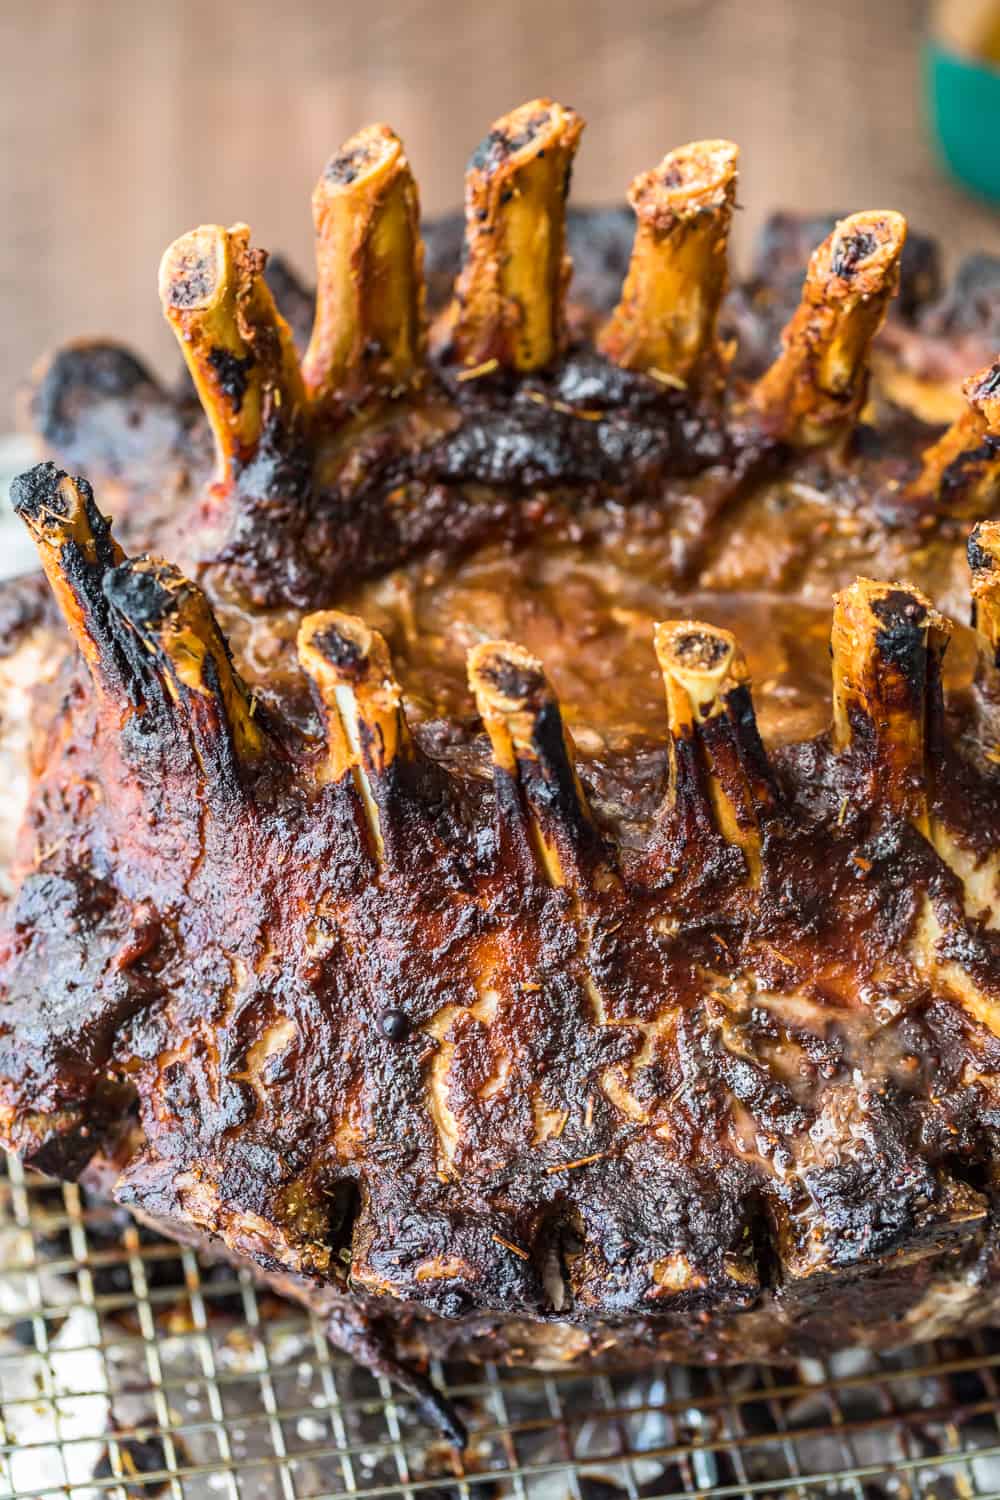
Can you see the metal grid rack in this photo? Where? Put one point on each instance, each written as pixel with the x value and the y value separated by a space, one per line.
pixel 128 1369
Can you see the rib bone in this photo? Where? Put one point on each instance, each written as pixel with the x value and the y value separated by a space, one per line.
pixel 665 322
pixel 237 346
pixel 961 471
pixel 175 623
pixel 713 733
pixel 368 334
pixel 887 643
pixel 984 563
pixel 817 385
pixel 319 656
pixel 533 757
pixel 508 303
pixel 76 548
pixel 366 728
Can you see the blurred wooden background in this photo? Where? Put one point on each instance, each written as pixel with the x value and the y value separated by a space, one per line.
pixel 123 124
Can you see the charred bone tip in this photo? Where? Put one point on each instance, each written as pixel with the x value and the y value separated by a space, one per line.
pixel 37 490
pixel 512 694
pixel 369 332
pixel 714 732
pixel 508 302
pixel 533 749
pixel 351 669
pixel 69 390
pixel 175 622
pixel 983 552
pixel 341 650
pixel 666 318
pixel 814 390
pixel 363 159
pixel 690 180
pixel 982 391
pixel 863 256
pixel 76 548
pixel 151 594
pixel 700 664
pixel 506 679
pixel 55 505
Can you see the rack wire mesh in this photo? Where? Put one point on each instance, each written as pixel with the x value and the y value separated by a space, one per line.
pixel 128 1369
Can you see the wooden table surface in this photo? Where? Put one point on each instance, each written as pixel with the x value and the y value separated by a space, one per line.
pixel 124 124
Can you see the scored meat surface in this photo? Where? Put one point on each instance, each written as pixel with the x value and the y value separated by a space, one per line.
pixel 409 895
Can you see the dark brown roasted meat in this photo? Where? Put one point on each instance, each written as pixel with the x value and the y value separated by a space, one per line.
pixel 523 1011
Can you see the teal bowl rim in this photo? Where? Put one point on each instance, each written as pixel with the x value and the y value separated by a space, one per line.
pixel 958 92
pixel 936 50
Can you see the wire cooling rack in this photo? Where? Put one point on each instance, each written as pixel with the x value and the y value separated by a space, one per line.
pixel 130 1369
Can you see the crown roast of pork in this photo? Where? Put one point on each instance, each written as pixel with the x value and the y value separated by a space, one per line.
pixel 457 865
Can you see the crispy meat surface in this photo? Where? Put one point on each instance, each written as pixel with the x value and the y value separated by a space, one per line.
pixel 445 876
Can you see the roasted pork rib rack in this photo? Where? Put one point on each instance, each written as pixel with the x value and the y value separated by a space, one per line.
pixel 412 899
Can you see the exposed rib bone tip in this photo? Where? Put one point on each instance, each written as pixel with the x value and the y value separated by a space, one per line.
pixel 533 749
pixel 57 507
pixel 511 690
pixel 508 302
pixel 54 506
pixel 713 732
pixel 814 390
pixel 887 643
pixel 195 268
pixel 690 180
pixel 75 547
pixel 343 650
pixel 153 596
pixel 506 679
pixel 982 391
pixel 983 553
pixel 516 702
pixel 704 662
pixel 238 348
pixel 177 626
pixel 666 318
pixel 367 732
pixel 864 253
pixel 362 161
pixel 984 563
pixel 369 333
pixel 961 471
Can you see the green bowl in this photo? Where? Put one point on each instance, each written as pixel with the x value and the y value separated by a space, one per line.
pixel 963 99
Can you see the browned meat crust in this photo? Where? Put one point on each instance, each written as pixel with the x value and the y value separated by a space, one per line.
pixel 374 920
